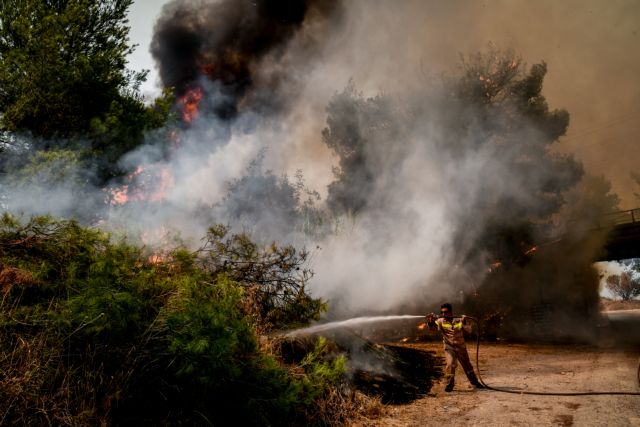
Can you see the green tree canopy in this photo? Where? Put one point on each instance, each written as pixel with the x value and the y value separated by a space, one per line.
pixel 62 63
pixel 63 74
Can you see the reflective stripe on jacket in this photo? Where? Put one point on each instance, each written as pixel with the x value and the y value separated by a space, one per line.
pixel 452 332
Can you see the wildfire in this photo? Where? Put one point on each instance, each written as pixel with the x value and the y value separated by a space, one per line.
pixel 165 182
pixel 157 259
pixel 162 259
pixel 142 184
pixel 159 240
pixel 189 103
pixel 494 266
pixel 124 193
pixel 119 196
pixel 151 183
pixel 422 326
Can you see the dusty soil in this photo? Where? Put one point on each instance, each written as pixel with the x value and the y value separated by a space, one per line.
pixel 607 304
pixel 533 368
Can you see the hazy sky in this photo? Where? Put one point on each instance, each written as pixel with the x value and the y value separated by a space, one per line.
pixel 142 16
pixel 590 46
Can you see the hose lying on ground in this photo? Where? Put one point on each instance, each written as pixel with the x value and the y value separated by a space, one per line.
pixel 542 393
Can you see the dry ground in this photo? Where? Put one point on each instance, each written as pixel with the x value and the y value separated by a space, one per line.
pixel 607 304
pixel 535 368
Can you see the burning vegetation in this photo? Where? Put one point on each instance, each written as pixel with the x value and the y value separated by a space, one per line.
pixel 142 185
pixel 232 45
pixel 446 189
pixel 122 338
pixel 189 104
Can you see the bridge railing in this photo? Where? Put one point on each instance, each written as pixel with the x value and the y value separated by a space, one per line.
pixel 605 221
pixel 630 216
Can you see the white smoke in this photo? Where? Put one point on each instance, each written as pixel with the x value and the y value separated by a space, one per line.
pixel 405 247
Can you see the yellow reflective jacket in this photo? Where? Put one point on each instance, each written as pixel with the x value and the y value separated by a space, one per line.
pixel 452 331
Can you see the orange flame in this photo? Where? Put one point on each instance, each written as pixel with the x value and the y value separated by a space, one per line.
pixel 494 266
pixel 119 196
pixel 157 259
pixel 189 103
pixel 149 186
pixel 123 194
pixel 422 326
pixel 159 240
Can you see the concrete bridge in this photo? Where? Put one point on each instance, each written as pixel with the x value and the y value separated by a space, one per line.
pixel 623 235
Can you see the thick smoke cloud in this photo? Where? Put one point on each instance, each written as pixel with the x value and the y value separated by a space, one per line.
pixel 445 183
pixel 422 182
pixel 237 43
pixel 46 182
pixel 587 45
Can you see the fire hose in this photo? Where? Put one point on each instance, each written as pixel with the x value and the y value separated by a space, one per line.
pixel 540 393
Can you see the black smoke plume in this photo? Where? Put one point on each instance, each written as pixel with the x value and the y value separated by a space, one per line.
pixel 238 44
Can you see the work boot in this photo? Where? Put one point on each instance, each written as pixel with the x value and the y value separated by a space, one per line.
pixel 477 385
pixel 449 387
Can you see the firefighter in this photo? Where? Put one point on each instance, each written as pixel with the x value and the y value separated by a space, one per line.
pixel 455 349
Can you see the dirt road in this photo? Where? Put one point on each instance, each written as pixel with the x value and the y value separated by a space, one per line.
pixel 534 368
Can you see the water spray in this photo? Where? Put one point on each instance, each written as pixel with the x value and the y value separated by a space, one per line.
pixel 356 321
pixel 373 319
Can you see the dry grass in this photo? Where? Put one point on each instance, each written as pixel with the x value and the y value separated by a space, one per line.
pixel 344 407
pixel 11 276
pixel 368 408
pixel 37 390
pixel 341 404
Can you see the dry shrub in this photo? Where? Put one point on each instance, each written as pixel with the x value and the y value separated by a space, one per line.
pixel 11 276
pixel 93 332
pixel 340 403
pixel 342 406
pixel 34 365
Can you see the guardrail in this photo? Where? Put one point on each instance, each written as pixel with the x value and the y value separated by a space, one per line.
pixel 606 221
pixel 630 216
